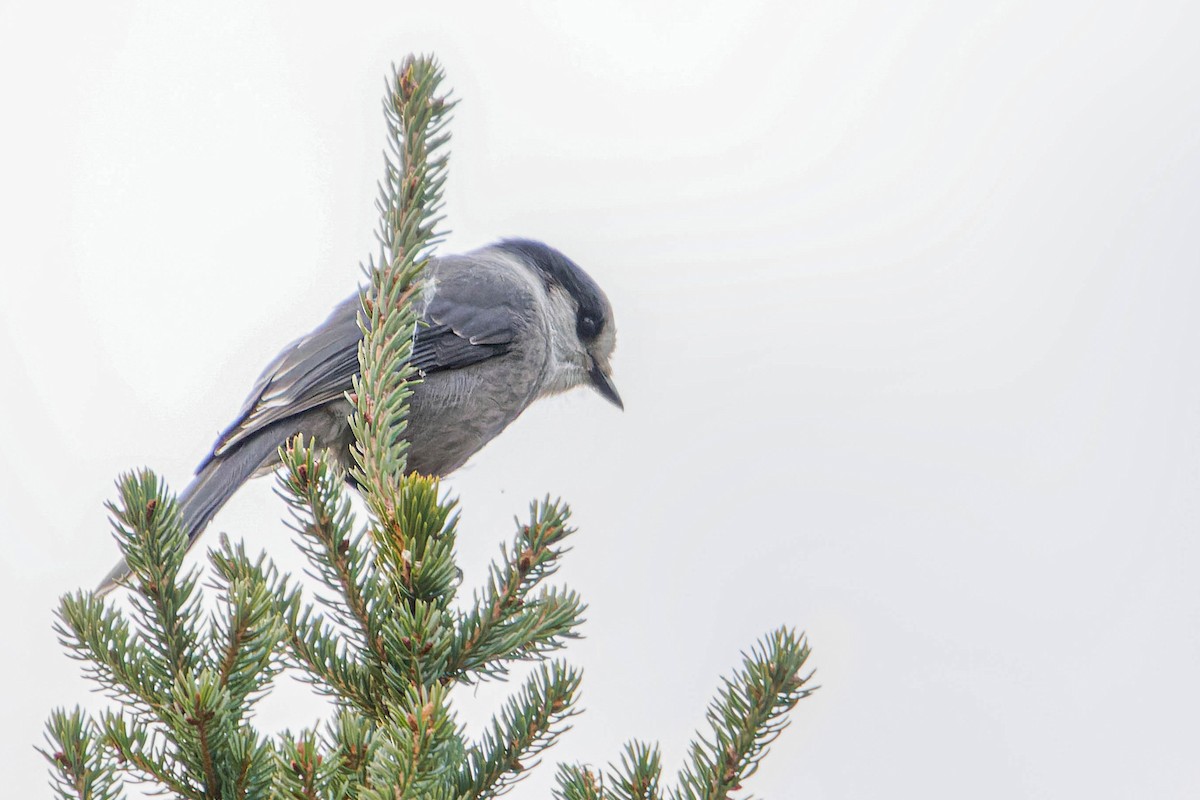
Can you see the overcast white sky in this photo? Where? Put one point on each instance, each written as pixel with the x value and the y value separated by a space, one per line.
pixel 906 295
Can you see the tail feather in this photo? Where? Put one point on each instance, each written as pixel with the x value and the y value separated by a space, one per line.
pixel 212 487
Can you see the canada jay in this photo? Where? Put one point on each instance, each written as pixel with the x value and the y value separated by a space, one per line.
pixel 500 327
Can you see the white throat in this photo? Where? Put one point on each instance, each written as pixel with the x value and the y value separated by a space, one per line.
pixel 567 364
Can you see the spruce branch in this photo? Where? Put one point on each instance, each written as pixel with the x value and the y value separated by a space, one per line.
pixel 307 774
pixel 351 738
pixel 186 688
pixel 100 637
pixel 393 604
pixel 749 712
pixel 416 758
pixel 579 783
pixel 314 646
pixel 150 533
pixel 636 777
pixel 530 721
pixel 639 773
pixel 145 754
pixel 329 664
pixel 508 621
pixel 418 550
pixel 248 633
pixel 80 767
pixel 409 204
pixel 322 517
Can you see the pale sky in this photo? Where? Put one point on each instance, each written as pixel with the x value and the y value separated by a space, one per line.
pixel 906 298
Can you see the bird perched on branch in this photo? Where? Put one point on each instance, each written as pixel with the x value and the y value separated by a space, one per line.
pixel 499 327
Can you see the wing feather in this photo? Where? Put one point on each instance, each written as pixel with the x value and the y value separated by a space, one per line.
pixel 461 325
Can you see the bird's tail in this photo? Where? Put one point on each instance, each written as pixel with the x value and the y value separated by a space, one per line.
pixel 213 485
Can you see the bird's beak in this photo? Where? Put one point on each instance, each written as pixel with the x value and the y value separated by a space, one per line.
pixel 603 383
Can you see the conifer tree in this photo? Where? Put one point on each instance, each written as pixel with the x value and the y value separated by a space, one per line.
pixel 385 635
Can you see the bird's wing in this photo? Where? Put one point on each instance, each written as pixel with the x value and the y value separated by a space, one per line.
pixel 461 325
pixel 311 371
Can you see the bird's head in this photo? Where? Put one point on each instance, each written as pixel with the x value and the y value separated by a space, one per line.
pixel 587 334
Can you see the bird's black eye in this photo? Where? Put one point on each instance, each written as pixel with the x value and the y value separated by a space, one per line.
pixel 588 327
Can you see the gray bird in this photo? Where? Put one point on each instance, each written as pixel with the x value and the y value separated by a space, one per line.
pixel 500 327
